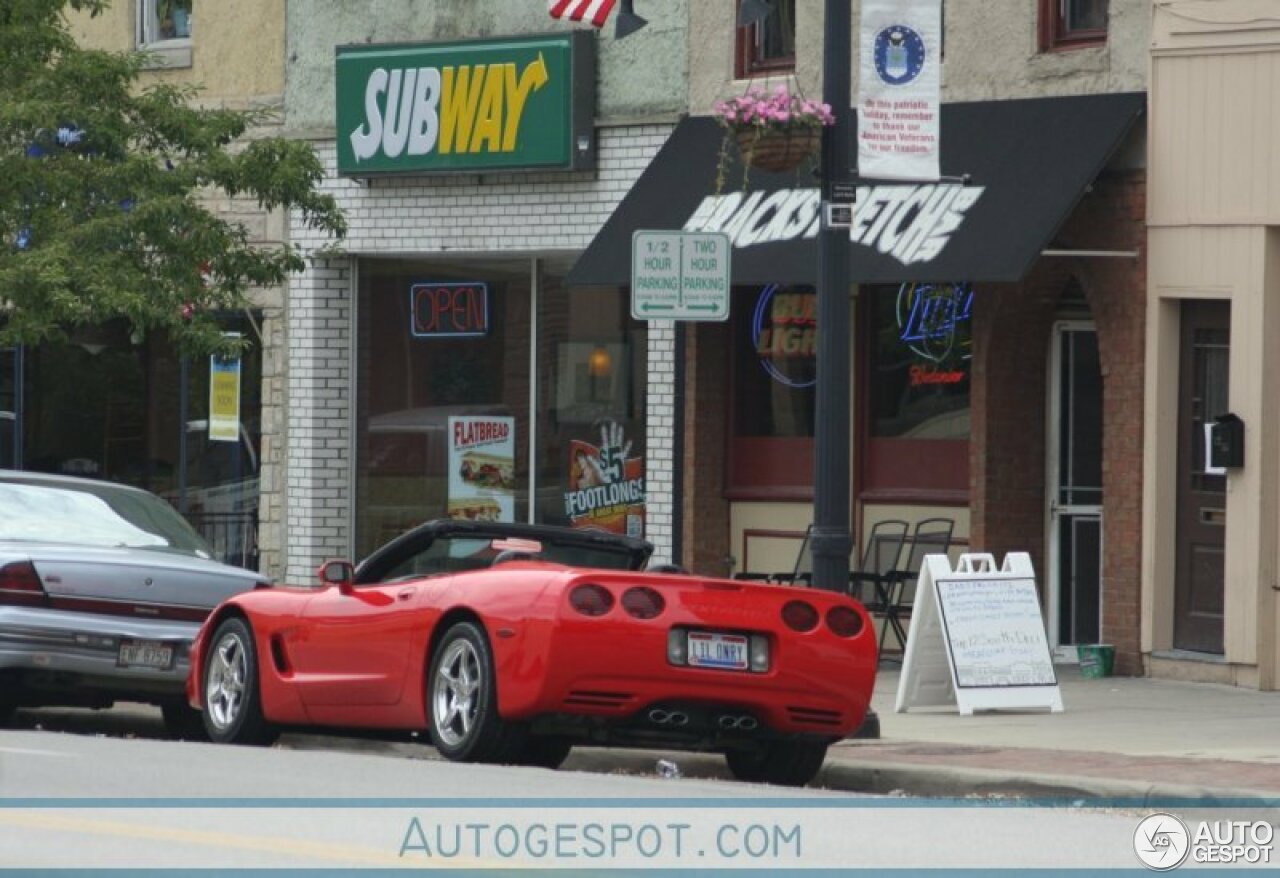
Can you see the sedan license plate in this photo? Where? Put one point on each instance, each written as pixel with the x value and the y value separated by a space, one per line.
pixel 725 651
pixel 145 654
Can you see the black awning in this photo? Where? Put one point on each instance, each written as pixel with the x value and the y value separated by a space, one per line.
pixel 1028 163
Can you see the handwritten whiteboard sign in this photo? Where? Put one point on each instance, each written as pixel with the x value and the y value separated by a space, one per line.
pixel 995 632
pixel 977 641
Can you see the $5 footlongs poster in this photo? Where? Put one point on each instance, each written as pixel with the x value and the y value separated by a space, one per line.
pixel 606 487
pixel 482 468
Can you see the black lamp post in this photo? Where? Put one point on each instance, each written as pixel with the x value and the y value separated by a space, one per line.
pixel 831 540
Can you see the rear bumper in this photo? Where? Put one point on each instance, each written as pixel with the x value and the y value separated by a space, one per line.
pixel 51 650
pixel 611 680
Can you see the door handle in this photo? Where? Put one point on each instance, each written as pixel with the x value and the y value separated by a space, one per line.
pixel 405 593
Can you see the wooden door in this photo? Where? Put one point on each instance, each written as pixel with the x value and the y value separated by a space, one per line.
pixel 1202 515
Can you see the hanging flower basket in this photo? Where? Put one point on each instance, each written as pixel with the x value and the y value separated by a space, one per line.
pixel 777 150
pixel 774 132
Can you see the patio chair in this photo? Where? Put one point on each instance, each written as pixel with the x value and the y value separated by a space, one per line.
pixel 931 536
pixel 872 581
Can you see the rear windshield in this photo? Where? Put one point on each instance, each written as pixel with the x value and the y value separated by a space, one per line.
pixel 94 515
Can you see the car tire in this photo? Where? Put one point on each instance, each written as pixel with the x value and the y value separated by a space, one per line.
pixel 462 701
pixel 183 722
pixel 232 699
pixel 544 751
pixel 783 763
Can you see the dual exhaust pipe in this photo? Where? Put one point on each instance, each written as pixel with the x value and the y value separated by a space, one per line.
pixel 744 722
pixel 668 717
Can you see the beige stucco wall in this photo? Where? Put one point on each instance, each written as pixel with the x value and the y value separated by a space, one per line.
pixel 1213 206
pixel 237 46
pixel 990 52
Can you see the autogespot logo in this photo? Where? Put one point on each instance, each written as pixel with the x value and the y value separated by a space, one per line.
pixel 1161 842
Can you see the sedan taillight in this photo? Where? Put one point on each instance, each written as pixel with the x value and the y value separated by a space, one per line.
pixel 591 600
pixel 20 585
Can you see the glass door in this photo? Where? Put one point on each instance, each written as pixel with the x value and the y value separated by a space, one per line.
pixel 1075 489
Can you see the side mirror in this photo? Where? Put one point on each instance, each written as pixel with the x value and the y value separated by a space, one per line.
pixel 339 573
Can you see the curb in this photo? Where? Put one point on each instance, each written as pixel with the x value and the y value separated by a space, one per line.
pixel 927 781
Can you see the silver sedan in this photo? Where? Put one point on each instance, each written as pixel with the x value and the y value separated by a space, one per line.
pixel 102 589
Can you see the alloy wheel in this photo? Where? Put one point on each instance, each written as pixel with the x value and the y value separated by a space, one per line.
pixel 456 695
pixel 225 689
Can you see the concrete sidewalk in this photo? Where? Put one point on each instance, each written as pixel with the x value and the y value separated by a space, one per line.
pixel 1130 737
pixel 1121 737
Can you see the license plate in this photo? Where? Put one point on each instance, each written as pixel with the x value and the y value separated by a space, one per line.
pixel 145 654
pixel 726 651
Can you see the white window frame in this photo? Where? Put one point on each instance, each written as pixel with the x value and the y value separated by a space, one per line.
pixel 168 53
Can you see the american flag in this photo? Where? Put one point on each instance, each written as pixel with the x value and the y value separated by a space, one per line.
pixel 595 11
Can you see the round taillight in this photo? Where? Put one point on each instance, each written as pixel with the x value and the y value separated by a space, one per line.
pixel 844 621
pixel 642 602
pixel 591 600
pixel 800 616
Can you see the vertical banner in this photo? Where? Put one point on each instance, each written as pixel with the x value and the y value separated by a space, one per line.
pixel 606 486
pixel 224 397
pixel 482 468
pixel 898 82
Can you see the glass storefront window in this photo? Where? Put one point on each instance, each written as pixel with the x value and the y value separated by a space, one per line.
pixel 8 407
pixel 921 350
pixel 444 368
pixel 773 371
pixel 775 362
pixel 591 399
pixel 105 405
pixel 442 393
pixel 914 378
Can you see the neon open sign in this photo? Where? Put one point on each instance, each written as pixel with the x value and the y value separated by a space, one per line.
pixel 452 310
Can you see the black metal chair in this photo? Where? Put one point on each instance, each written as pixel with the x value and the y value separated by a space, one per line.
pixel 871 583
pixel 931 536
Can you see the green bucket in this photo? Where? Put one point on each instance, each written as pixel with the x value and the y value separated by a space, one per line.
pixel 1096 660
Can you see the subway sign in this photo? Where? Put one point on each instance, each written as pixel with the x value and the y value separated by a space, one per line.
pixel 470 106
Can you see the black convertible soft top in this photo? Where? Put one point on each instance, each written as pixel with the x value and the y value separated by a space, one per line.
pixel 636 552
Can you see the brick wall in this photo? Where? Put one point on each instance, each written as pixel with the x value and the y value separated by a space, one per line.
pixel 1012 328
pixel 660 422
pixel 509 214
pixel 318 463
pixel 706 512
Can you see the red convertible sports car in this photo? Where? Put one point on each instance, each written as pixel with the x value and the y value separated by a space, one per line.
pixel 513 643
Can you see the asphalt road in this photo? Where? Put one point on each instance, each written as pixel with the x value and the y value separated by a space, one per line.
pixel 107 790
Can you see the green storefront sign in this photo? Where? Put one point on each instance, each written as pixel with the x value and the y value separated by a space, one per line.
pixel 473 106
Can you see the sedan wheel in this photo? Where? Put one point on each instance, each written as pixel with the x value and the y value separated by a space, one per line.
pixel 232 703
pixel 463 697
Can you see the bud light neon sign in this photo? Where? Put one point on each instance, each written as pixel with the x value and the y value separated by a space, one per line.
pixel 784 335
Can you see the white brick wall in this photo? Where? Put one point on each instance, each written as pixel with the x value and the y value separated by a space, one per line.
pixel 509 214
pixel 660 415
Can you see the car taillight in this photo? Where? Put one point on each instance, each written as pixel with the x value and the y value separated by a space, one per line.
pixel 591 600
pixel 844 621
pixel 20 585
pixel 800 616
pixel 643 602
